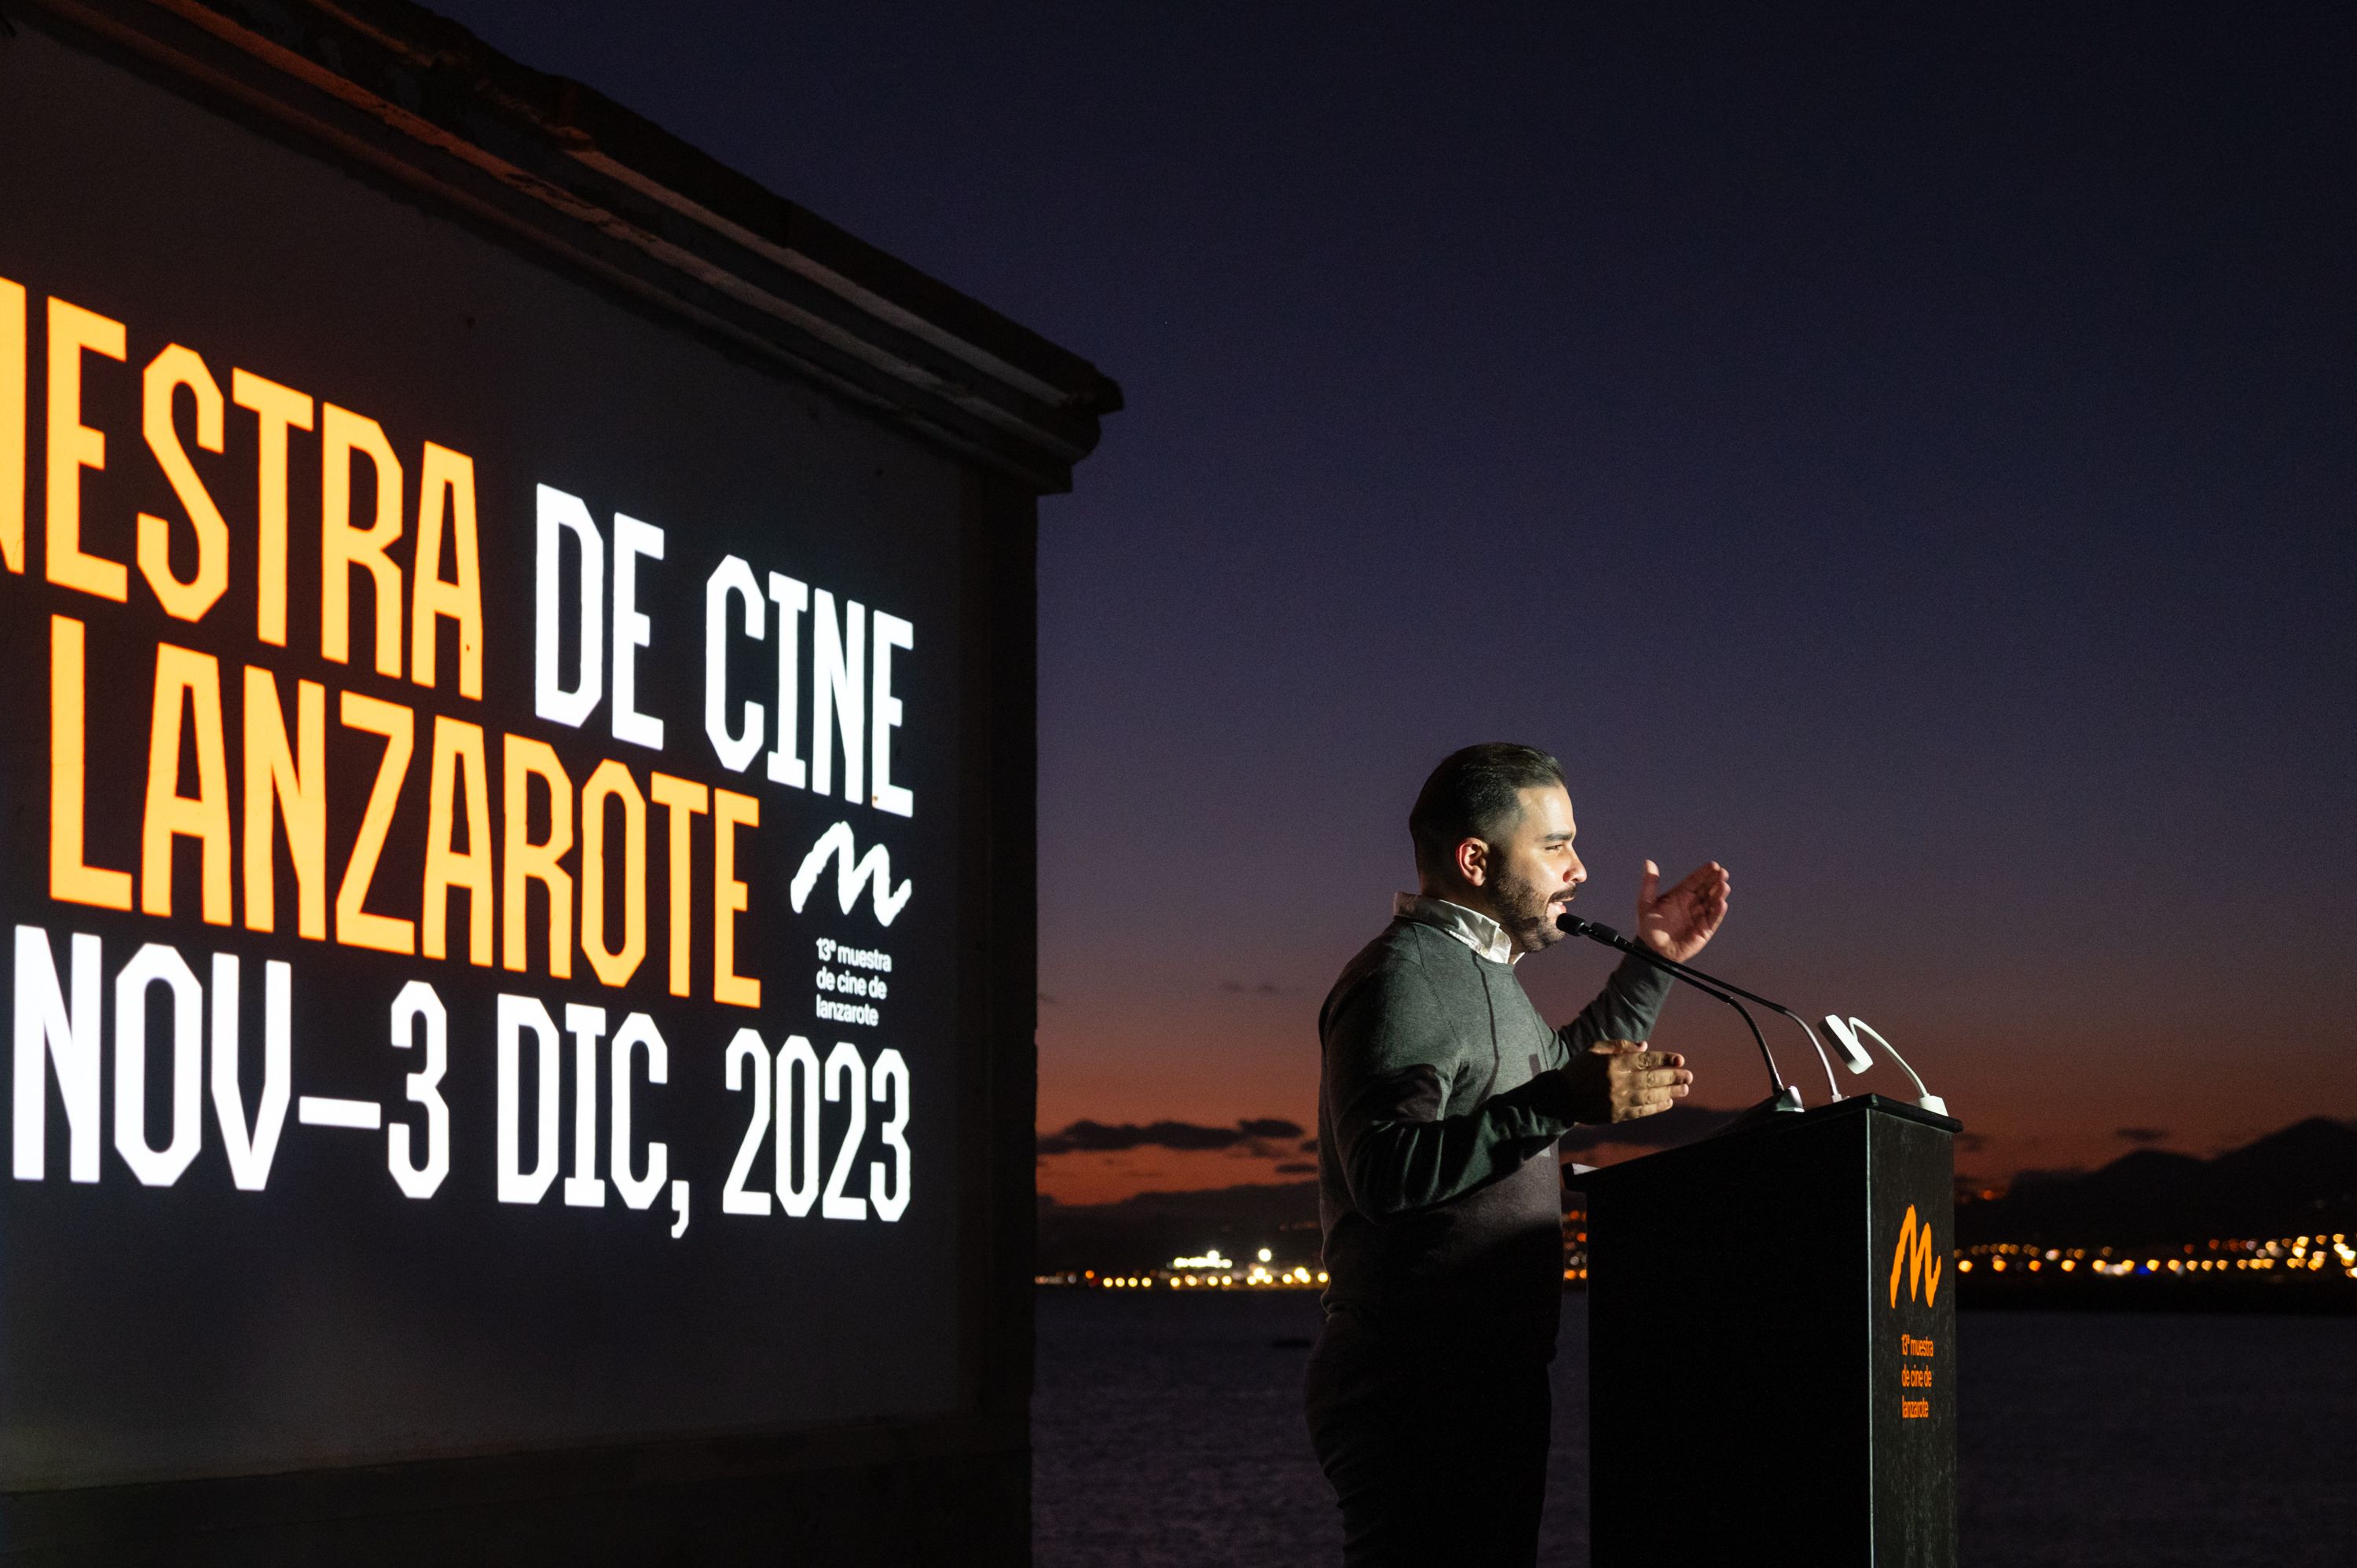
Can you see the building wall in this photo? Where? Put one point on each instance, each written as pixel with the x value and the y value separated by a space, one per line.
pixel 326 1352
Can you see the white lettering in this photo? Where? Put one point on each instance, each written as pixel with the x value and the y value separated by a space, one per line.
pixel 792 597
pixel 838 672
pixel 251 1150
pixel 151 964
pixel 632 630
pixel 552 700
pixel 418 1003
pixel 46 1032
pixel 746 1067
pixel 732 577
pixel 797 1088
pixel 889 1084
pixel 638 1191
pixel 891 632
pixel 846 1080
pixel 516 1015
pixel 587 1027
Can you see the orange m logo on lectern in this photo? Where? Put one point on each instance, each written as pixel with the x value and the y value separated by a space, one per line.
pixel 1915 1259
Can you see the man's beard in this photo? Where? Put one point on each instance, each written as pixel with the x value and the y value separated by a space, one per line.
pixel 1523 913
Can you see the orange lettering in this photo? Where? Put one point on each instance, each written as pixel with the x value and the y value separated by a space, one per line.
pixel 273 778
pixel 173 368
pixel 14 370
pixel 520 860
pixel 729 810
pixel 355 927
pixel 680 800
pixel 344 436
pixel 1914 1258
pixel 74 446
pixel 447 477
pixel 612 781
pixel 456 742
pixel 280 409
pixel 71 878
pixel 187 690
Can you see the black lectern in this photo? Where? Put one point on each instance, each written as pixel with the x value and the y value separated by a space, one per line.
pixel 1771 1344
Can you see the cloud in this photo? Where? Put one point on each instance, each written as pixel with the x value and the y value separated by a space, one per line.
pixel 1262 988
pixel 1297 1168
pixel 1047 1000
pixel 2140 1134
pixel 1971 1142
pixel 1309 1145
pixel 1085 1137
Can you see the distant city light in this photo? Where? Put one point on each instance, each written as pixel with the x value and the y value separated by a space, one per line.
pixel 2305 1258
pixel 2296 1255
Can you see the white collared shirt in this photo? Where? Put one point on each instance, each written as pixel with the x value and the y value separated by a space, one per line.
pixel 1471 927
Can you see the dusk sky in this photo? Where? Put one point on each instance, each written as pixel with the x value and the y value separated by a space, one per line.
pixel 1907 460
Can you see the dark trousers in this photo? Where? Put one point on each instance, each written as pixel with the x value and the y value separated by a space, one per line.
pixel 1435 1460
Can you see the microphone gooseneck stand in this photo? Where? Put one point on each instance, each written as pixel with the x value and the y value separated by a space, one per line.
pixel 1784 1096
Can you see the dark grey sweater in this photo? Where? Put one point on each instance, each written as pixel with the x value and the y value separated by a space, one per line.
pixel 1437 1116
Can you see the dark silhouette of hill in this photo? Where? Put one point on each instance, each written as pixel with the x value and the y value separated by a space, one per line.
pixel 1147 1230
pixel 2297 1181
pixel 2300 1180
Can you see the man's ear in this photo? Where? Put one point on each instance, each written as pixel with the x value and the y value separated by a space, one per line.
pixel 1473 862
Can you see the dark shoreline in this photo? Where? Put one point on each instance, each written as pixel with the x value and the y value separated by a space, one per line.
pixel 2230 1296
pixel 2324 1298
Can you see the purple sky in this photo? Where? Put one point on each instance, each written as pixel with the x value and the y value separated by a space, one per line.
pixel 1908 461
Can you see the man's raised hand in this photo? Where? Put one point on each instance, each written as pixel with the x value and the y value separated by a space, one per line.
pixel 1677 923
pixel 1620 1080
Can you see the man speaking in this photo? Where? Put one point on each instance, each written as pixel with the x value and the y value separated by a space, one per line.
pixel 1442 1096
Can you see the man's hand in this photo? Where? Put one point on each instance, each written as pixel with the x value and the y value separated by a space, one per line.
pixel 1620 1080
pixel 1677 923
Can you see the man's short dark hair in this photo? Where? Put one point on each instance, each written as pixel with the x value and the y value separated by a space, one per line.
pixel 1474 794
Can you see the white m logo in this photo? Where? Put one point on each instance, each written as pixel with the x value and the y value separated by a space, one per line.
pixel 850 877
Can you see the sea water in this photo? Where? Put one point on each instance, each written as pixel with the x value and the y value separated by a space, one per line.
pixel 1167 1430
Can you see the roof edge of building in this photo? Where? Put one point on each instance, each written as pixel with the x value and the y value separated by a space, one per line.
pixel 557 162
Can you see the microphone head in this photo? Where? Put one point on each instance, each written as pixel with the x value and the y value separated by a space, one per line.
pixel 1845 1042
pixel 1594 930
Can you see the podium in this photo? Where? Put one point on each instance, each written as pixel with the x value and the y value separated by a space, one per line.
pixel 1771 1344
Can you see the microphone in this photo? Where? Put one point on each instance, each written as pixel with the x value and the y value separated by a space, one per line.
pixel 1845 1041
pixel 1597 931
pixel 1785 1096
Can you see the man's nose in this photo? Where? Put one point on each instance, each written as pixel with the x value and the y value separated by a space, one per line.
pixel 1578 872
